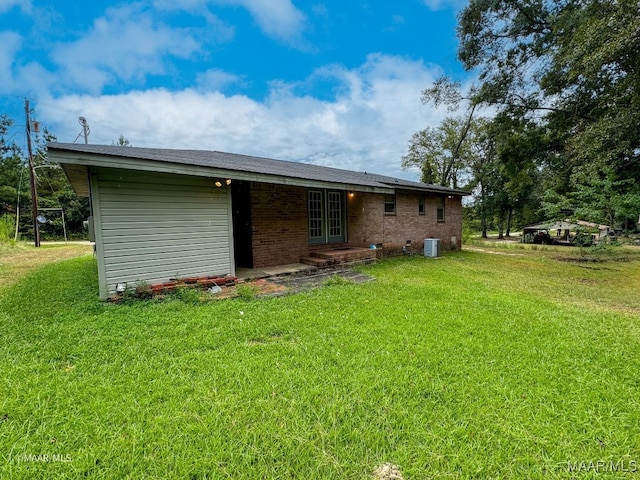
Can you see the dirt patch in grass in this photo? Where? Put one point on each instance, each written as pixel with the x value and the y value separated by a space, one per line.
pixel 484 250
pixel 387 472
pixel 287 284
pixel 19 259
pixel 594 259
pixel 252 289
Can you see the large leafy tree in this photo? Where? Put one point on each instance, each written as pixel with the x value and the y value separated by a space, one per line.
pixel 485 179
pixel 494 159
pixel 572 66
pixel 442 153
pixel 520 149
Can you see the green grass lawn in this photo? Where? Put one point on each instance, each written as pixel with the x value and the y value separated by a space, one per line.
pixel 511 364
pixel 19 258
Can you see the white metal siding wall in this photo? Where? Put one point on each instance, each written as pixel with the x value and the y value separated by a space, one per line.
pixel 154 226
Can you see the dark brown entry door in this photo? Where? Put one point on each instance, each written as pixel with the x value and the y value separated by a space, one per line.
pixel 242 238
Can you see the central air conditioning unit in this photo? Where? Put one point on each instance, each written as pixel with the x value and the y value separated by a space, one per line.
pixel 431 247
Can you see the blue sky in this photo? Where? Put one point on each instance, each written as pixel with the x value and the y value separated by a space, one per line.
pixel 330 82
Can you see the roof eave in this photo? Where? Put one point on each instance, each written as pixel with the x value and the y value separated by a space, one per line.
pixel 78 176
pixel 429 189
pixel 71 160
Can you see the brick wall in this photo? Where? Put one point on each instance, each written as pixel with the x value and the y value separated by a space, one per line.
pixel 280 225
pixel 369 224
pixel 365 219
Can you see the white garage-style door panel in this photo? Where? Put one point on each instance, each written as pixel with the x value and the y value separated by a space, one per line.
pixel 152 227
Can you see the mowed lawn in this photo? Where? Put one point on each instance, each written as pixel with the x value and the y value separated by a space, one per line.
pixel 512 364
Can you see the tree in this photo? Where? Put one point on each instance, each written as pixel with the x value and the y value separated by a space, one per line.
pixel 122 142
pixel 572 66
pixel 601 195
pixel 520 149
pixel 441 153
pixel 13 171
pixel 496 159
pixel 484 174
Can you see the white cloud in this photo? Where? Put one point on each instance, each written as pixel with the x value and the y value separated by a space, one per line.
pixel 366 127
pixel 216 79
pixel 33 78
pixel 220 31
pixel 125 44
pixel 444 4
pixel 186 5
pixel 24 5
pixel 11 43
pixel 278 19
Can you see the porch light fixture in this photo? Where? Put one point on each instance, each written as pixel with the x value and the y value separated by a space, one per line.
pixel 228 181
pixel 351 194
pixel 218 183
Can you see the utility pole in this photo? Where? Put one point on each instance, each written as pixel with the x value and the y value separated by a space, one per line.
pixel 34 189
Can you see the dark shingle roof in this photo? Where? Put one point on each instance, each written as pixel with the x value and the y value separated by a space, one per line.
pixel 258 165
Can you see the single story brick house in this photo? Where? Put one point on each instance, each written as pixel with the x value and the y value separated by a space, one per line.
pixel 159 214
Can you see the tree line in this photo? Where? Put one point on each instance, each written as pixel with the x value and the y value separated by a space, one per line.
pixel 562 80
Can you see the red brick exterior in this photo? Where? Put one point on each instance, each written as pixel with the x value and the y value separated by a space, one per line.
pixel 368 224
pixel 280 225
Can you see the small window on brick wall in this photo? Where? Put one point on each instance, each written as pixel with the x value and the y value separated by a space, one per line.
pixel 389 204
pixel 440 209
pixel 421 205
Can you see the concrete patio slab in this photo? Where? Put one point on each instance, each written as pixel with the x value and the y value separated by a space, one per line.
pixel 289 269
